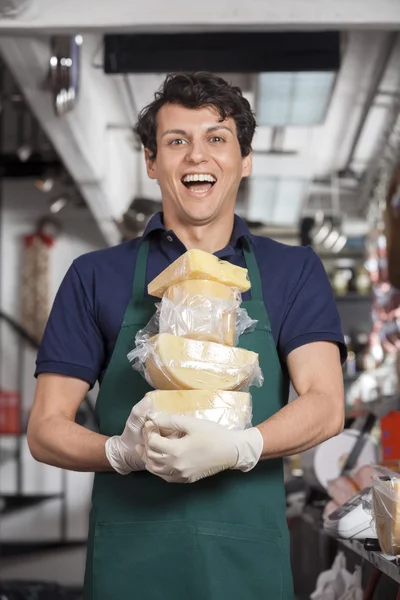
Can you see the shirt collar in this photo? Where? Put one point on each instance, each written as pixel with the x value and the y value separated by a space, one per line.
pixel 240 229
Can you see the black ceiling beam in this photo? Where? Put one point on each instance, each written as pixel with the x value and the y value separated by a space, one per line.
pixel 222 52
pixel 12 168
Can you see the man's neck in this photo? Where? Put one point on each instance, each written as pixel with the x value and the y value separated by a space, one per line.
pixel 210 237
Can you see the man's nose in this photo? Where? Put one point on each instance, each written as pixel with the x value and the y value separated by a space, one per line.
pixel 196 152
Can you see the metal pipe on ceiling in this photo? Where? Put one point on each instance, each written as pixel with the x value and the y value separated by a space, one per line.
pixel 387 52
pixel 2 70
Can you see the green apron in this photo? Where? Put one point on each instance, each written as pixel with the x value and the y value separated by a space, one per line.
pixel 221 538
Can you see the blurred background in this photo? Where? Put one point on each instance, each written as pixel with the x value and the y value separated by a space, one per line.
pixel 323 78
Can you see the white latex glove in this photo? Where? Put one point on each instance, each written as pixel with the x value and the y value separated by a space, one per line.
pixel 121 449
pixel 206 448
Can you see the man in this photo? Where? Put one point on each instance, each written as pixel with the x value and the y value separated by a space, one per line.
pixel 201 516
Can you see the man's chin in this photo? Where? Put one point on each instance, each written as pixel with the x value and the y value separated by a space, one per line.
pixel 200 217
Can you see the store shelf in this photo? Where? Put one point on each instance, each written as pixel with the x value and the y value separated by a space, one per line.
pixel 390 566
pixel 347 253
pixel 353 297
pixel 10 503
pixel 379 408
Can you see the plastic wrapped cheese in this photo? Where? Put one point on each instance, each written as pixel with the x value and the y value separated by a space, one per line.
pixel 203 310
pixel 197 264
pixel 230 409
pixel 386 511
pixel 169 362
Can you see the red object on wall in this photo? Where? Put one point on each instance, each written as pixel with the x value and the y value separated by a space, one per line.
pixel 10 413
pixel 390 435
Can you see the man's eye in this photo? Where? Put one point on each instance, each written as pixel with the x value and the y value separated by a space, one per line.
pixel 177 142
pixel 217 138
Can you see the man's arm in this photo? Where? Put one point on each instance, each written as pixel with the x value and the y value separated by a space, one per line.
pixel 53 436
pixel 318 413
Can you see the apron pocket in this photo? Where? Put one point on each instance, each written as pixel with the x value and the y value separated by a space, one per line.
pixel 240 563
pixel 143 561
pixel 182 560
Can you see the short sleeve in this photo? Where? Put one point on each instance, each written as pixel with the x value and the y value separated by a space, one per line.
pixel 72 343
pixel 312 315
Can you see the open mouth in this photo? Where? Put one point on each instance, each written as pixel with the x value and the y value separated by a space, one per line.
pixel 199 183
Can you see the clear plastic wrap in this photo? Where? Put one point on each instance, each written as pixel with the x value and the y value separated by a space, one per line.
pixel 192 309
pixel 386 510
pixel 204 310
pixel 197 264
pixel 169 362
pixel 232 410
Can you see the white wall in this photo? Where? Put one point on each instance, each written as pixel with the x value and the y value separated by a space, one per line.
pixel 23 206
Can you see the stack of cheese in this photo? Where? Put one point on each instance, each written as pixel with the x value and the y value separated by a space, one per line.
pixel 191 370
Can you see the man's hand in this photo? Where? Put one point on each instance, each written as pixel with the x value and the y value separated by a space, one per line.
pixel 205 448
pixel 121 449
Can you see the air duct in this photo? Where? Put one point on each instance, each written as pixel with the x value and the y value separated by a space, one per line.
pixel 10 9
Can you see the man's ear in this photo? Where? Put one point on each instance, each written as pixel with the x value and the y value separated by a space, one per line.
pixel 150 164
pixel 247 165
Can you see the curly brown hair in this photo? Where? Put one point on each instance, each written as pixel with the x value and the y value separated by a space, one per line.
pixel 198 90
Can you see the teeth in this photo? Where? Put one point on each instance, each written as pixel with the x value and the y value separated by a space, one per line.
pixel 199 177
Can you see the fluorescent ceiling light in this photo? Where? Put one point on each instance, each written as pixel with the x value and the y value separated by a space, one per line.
pixel 321 235
pixel 340 243
pixel 58 204
pixel 276 201
pixel 297 99
pixel 331 239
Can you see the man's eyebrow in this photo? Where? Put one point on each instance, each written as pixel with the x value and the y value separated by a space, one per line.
pixel 218 128
pixel 174 131
pixel 209 130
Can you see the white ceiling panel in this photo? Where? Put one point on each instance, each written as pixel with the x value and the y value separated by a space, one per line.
pixel 143 87
pixel 262 138
pixel 158 15
pixel 276 201
pixel 299 99
pixel 297 138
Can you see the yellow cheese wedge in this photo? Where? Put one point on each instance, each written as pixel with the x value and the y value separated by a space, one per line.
pixel 197 264
pixel 177 363
pixel 230 409
pixel 205 310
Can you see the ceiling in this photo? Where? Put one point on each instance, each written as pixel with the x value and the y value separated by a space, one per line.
pixel 322 139
pixel 299 168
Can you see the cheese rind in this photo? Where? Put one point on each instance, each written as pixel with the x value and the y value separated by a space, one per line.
pixel 201 310
pixel 197 264
pixel 230 409
pixel 177 363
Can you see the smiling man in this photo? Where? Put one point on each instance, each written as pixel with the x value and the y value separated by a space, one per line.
pixel 202 515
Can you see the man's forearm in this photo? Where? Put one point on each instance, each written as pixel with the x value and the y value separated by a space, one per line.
pixel 59 442
pixel 302 424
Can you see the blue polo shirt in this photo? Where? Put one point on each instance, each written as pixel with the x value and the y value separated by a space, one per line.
pixel 89 306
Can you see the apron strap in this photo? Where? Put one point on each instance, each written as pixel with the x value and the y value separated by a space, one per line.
pixel 139 278
pixel 254 272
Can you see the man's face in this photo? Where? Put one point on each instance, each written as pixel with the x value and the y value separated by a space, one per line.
pixel 198 164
